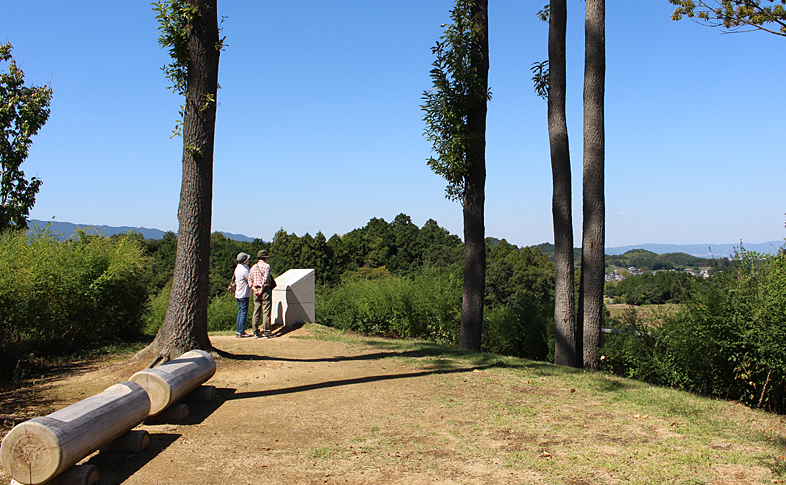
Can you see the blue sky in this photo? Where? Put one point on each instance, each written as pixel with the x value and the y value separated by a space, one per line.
pixel 319 126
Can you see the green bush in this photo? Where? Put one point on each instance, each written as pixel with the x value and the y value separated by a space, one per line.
pixel 157 310
pixel 727 341
pixel 222 313
pixel 518 331
pixel 56 296
pixel 632 350
pixel 426 305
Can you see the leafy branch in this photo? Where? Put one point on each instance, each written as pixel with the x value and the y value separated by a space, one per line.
pixel 456 90
pixel 734 14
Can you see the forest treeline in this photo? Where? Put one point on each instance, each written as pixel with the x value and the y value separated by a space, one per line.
pixel 649 261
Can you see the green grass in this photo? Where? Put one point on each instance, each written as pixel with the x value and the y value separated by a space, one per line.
pixel 577 426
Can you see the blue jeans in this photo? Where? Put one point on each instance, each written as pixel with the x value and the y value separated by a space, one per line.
pixel 242 314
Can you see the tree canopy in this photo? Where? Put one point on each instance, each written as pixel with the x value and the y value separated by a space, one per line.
pixel 23 111
pixel 457 90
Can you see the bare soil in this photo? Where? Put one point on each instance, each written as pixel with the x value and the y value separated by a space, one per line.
pixel 295 409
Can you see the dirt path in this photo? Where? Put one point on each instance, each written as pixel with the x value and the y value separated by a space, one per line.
pixel 301 410
pixel 292 410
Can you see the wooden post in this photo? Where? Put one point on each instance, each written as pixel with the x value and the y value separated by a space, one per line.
pixel 39 449
pixel 202 393
pixel 172 380
pixel 172 414
pixel 134 441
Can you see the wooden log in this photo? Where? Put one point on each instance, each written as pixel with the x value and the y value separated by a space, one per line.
pixel 39 449
pixel 172 380
pixel 134 441
pixel 76 475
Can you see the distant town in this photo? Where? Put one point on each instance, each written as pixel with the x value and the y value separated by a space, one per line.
pixel 615 275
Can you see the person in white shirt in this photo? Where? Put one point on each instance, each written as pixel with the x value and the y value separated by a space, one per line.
pixel 242 293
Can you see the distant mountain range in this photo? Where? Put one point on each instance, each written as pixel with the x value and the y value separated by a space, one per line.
pixel 700 250
pixel 66 229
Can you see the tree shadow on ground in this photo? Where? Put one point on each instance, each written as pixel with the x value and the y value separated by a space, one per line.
pixel 116 467
pixel 345 382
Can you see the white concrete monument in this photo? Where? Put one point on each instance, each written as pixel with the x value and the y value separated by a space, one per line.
pixel 293 298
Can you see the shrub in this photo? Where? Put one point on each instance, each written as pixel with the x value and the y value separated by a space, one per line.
pixel 222 313
pixel 56 296
pixel 157 310
pixel 426 305
pixel 727 341
pixel 518 331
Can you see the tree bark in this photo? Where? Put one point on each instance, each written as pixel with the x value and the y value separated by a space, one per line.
pixel 185 325
pixel 564 301
pixel 594 208
pixel 471 331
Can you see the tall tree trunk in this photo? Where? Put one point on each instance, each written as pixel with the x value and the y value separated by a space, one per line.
pixel 471 331
pixel 594 224
pixel 564 301
pixel 185 324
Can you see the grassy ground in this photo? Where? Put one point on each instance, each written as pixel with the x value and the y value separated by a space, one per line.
pixel 342 408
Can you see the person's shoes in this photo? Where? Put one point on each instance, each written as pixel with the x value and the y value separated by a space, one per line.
pixel 242 335
pixel 267 335
pixel 256 335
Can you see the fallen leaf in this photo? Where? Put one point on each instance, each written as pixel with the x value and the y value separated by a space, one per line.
pixel 545 454
pixel 572 391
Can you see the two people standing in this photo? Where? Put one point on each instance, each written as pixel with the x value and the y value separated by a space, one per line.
pixel 256 281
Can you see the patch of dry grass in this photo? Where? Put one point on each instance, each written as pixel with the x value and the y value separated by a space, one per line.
pixel 575 426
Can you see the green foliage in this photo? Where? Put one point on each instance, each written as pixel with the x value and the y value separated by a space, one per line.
pixel 23 111
pixel 175 18
pixel 540 78
pixel 766 15
pixel 158 303
pixel 400 247
pixel 163 252
pixel 658 288
pixel 457 90
pixel 426 305
pixel 548 250
pixel 57 296
pixel 519 302
pixel 222 313
pixel 632 351
pixel 727 341
pixel 175 22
